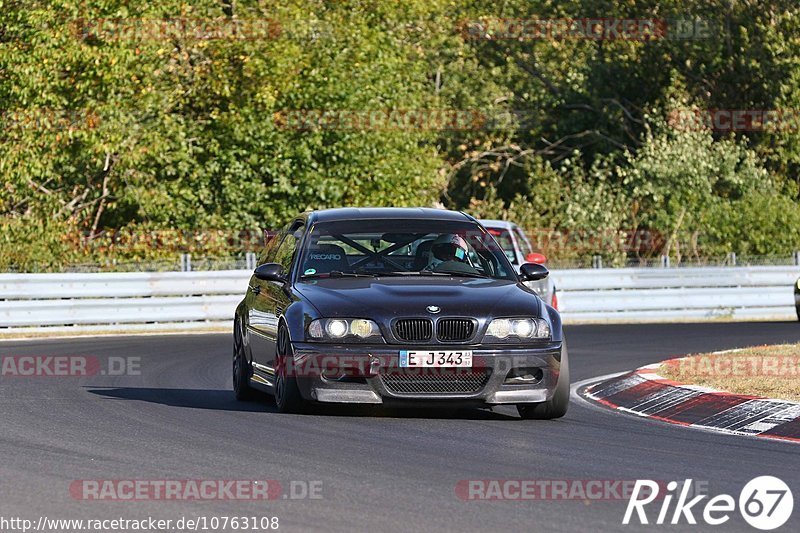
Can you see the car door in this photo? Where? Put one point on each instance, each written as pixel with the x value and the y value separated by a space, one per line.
pixel 268 301
pixel 256 323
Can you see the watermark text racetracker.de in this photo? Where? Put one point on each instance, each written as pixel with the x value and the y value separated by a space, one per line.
pixel 184 523
pixel 382 119
pixel 140 490
pixel 589 29
pixel 774 366
pixel 735 120
pixel 152 29
pixel 63 366
pixel 367 365
pixel 586 490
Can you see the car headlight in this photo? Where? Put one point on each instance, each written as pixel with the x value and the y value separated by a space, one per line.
pixel 510 329
pixel 344 330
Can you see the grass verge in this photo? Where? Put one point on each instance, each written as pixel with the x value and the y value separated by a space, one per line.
pixel 768 371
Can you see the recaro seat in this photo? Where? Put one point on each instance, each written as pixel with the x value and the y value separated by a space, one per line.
pixel 422 257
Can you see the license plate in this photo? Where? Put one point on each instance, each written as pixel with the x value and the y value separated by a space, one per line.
pixel 435 359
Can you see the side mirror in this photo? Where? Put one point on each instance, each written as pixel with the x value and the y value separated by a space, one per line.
pixel 270 272
pixel 533 272
pixel 537 258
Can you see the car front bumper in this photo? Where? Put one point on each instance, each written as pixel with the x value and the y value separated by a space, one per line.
pixel 371 375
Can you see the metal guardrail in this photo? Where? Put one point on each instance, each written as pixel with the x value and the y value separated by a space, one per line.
pixel 675 294
pixel 119 298
pixel 143 299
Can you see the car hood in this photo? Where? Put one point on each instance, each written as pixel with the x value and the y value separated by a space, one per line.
pixel 408 297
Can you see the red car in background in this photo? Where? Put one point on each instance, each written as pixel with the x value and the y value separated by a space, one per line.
pixel 519 251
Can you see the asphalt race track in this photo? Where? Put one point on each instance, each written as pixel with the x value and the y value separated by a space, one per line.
pixel 380 470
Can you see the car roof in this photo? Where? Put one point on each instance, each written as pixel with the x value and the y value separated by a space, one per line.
pixel 366 213
pixel 504 224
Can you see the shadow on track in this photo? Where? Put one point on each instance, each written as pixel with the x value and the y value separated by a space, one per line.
pixel 222 400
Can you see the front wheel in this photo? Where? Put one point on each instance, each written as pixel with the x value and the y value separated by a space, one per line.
pixel 287 394
pixel 555 407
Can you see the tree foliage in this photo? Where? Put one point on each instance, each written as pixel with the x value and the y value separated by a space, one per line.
pixel 108 124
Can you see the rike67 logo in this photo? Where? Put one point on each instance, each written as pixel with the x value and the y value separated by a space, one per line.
pixel 765 503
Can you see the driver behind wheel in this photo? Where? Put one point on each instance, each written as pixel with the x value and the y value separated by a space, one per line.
pixel 450 254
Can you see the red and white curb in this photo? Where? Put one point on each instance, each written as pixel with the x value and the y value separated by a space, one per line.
pixel 645 393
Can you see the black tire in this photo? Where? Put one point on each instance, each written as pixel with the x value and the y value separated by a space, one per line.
pixel 556 407
pixel 797 298
pixel 287 394
pixel 242 370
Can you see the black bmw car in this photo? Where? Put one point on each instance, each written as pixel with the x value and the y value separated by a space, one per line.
pixel 397 306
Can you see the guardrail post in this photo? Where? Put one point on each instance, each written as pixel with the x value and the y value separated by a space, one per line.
pixel 250 260
pixel 186 263
pixel 664 261
pixel 797 257
pixel 597 261
pixel 732 258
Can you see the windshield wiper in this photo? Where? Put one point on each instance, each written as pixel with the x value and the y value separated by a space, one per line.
pixel 396 273
pixel 402 273
pixel 464 274
pixel 338 274
pixel 441 274
pixel 408 273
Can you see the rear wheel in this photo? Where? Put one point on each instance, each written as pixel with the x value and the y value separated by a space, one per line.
pixel 241 367
pixel 556 407
pixel 287 394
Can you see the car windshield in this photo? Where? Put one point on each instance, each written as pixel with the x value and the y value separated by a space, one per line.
pixel 503 238
pixel 402 247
